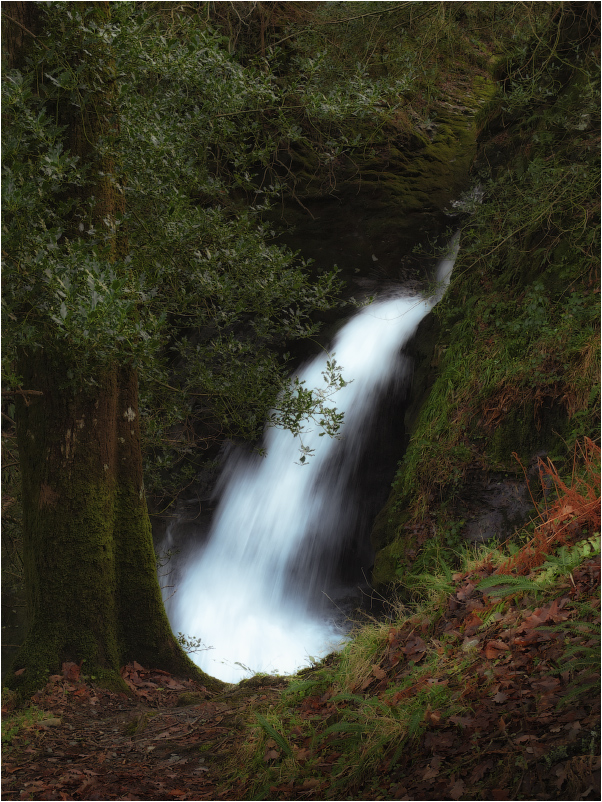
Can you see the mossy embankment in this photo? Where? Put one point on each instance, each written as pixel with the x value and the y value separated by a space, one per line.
pixel 485 686
pixel 370 209
pixel 512 368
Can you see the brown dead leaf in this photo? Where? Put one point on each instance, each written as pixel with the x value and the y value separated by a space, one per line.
pixel 433 717
pixel 430 773
pixel 71 671
pixel 480 771
pixel 457 789
pixel 495 648
pixel 378 672
pixel 415 648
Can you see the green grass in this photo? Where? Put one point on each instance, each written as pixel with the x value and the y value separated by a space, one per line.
pixel 15 722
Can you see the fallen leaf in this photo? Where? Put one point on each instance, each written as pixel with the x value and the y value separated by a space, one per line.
pixel 50 722
pixel 494 648
pixel 560 772
pixel 71 671
pixel 457 789
pixel 499 698
pixel 480 771
pixel 378 672
pixel 430 773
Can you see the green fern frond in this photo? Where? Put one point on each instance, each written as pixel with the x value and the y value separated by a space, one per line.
pixel 506 585
pixel 273 733
pixel 575 691
pixel 345 696
pixel 302 688
pixel 345 726
pixel 487 620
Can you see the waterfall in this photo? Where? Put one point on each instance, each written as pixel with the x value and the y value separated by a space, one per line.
pixel 253 591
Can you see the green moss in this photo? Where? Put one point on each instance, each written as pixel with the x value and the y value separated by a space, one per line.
pixel 387 562
pixel 44 651
pixel 525 432
pixel 518 365
pixel 190 698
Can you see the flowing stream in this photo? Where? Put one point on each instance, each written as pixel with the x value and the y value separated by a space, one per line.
pixel 255 591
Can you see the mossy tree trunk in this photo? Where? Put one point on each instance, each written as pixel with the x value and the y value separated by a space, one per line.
pixel 91 581
pixel 92 591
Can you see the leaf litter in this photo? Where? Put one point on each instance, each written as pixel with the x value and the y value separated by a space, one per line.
pixel 107 745
pixel 484 700
pixel 511 736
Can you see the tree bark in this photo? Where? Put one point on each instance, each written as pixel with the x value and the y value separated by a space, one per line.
pixel 93 595
pixel 91 582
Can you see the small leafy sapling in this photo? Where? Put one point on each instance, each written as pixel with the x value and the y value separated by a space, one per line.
pixel 298 406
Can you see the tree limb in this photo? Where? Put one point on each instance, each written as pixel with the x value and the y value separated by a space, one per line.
pixel 27 31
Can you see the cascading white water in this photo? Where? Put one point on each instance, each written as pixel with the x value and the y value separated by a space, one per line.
pixel 250 592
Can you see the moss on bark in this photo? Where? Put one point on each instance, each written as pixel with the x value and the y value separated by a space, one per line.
pixel 92 590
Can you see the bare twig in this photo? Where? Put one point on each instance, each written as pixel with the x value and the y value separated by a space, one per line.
pixel 21 392
pixel 27 31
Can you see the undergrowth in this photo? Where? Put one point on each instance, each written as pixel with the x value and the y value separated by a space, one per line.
pixel 15 721
pixel 493 647
pixel 519 358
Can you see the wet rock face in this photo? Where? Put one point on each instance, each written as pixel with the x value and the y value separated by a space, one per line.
pixel 368 214
pixel 493 505
pixel 369 247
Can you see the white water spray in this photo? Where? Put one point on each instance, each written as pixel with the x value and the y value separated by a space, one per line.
pixel 251 591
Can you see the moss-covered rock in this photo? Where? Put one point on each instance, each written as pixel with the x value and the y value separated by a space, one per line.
pixel 518 349
pixel 382 202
